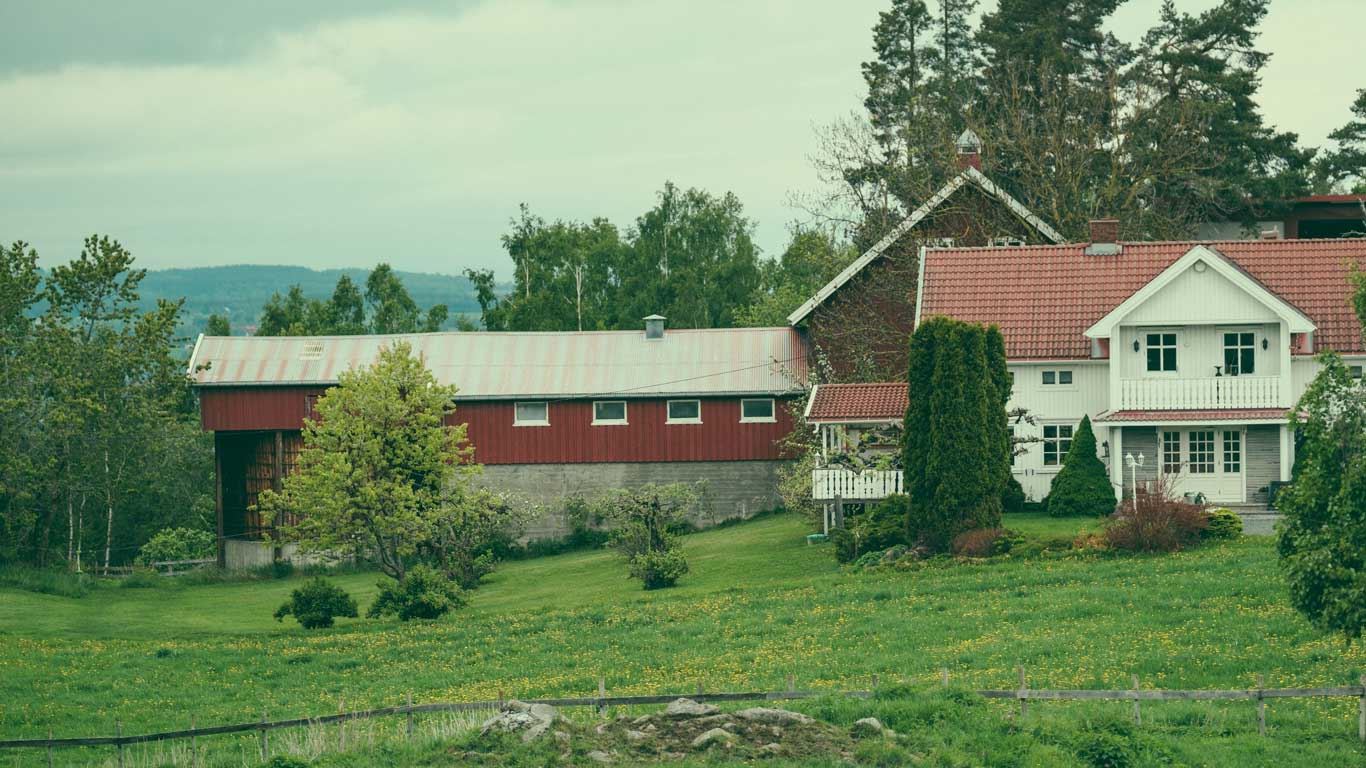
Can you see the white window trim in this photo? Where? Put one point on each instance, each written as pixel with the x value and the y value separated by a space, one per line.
pixel 1256 350
pixel 1143 362
pixel 625 412
pixel 670 420
pixel 773 408
pixel 1053 469
pixel 1057 386
pixel 516 422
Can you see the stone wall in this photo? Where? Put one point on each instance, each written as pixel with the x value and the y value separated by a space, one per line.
pixel 733 488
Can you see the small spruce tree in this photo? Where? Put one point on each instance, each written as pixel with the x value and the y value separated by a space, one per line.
pixel 1082 487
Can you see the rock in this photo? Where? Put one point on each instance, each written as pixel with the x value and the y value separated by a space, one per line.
pixel 642 720
pixel 709 719
pixel 772 748
pixel 651 728
pixel 562 737
pixel 689 708
pixel 773 716
pixel 869 726
pixel 532 721
pixel 598 756
pixel 601 728
pixel 714 736
pixel 636 736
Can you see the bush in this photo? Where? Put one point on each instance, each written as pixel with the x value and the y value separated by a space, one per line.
pixel 1013 500
pixel 1223 524
pixel 1082 487
pixel 985 542
pixel 141 578
pixel 316 603
pixel 177 544
pixel 424 593
pixel 1156 523
pixel 659 569
pixel 879 527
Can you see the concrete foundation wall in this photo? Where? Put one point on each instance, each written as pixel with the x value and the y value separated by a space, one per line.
pixel 733 488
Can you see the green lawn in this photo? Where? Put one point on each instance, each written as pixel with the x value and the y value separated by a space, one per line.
pixel 758 605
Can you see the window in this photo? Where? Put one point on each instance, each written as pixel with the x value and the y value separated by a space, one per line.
pixel 1202 452
pixel 1355 370
pixel 1057 378
pixel 1162 352
pixel 685 412
pixel 609 412
pixel 1057 441
pixel 1171 452
pixel 310 406
pixel 532 414
pixel 1240 353
pixel 1233 452
pixel 756 410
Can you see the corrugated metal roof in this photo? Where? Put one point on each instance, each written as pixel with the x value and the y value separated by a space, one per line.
pixel 489 366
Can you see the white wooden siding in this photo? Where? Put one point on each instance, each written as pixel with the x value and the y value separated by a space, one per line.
pixel 1199 298
pixel 1199 348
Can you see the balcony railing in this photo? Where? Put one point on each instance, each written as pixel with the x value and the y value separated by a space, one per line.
pixel 1214 392
pixel 826 484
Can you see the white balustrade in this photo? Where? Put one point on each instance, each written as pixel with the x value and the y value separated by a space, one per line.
pixel 1213 392
pixel 826 484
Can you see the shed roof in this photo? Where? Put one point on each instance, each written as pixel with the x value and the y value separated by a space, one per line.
pixel 1045 297
pixel 492 366
pixel 857 403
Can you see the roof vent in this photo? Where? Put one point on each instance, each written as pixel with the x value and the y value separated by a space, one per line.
pixel 654 327
pixel 1104 238
pixel 311 350
pixel 969 147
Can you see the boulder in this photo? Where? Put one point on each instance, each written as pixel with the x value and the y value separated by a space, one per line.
pixel 598 756
pixel 771 748
pixel 714 736
pixel 689 708
pixel 636 736
pixel 532 721
pixel 869 726
pixel 780 717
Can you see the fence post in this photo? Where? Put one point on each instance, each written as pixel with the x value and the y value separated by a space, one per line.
pixel 265 739
pixel 49 746
pixel 839 511
pixel 1138 715
pixel 1261 706
pixel 194 745
pixel 118 732
pixel 944 676
pixel 1361 710
pixel 700 689
pixel 341 725
pixel 875 682
pixel 410 717
pixel 791 685
pixel 602 694
pixel 1023 692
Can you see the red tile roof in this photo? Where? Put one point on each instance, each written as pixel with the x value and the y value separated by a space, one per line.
pixel 852 403
pixel 1234 414
pixel 1045 297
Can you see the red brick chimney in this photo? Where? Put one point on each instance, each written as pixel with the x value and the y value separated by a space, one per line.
pixel 1104 230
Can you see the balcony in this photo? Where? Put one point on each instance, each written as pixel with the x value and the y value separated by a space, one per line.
pixel 827 484
pixel 1190 394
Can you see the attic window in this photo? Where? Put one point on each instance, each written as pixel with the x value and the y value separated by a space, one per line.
pixel 311 350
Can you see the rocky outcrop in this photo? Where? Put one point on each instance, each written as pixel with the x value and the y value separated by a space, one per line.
pixel 532 721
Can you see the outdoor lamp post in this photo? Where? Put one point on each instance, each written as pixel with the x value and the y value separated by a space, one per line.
pixel 1133 465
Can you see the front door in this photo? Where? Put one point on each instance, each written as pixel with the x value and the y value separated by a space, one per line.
pixel 1207 460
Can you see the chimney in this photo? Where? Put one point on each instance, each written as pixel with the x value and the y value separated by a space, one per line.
pixel 1104 238
pixel 969 148
pixel 1270 234
pixel 654 327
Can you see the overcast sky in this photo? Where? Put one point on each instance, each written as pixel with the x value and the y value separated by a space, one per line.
pixel 326 133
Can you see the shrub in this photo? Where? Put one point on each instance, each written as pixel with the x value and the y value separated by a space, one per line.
pixel 316 604
pixel 141 578
pixel 1082 487
pixel 177 544
pixel 985 542
pixel 1223 524
pixel 1013 500
pixel 423 593
pixel 1156 523
pixel 659 569
pixel 285 761
pixel 878 527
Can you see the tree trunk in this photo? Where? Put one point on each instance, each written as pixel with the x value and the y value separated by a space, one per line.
pixel 109 524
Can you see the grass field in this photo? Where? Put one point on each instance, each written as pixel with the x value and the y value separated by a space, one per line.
pixel 759 604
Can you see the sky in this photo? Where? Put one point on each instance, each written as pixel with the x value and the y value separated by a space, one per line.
pixel 341 133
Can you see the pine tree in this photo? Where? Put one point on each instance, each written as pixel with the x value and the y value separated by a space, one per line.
pixel 1082 487
pixel 1345 167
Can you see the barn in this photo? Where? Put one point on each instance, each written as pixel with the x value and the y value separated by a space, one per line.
pixel 550 415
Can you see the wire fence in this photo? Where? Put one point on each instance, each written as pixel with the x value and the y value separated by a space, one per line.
pixel 1022 694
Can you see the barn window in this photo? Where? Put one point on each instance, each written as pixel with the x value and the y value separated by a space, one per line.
pixel 756 410
pixel 685 412
pixel 532 414
pixel 609 412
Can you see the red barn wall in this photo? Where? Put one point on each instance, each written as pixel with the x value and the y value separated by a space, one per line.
pixel 570 438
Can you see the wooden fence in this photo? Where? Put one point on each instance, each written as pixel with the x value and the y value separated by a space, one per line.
pixel 1023 694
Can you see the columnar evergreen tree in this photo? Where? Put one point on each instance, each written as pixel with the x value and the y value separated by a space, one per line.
pixel 956 452
pixel 1082 486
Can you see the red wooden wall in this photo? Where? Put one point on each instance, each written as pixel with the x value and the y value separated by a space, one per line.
pixel 571 437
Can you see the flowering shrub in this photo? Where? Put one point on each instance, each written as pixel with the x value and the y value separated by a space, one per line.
pixel 1154 522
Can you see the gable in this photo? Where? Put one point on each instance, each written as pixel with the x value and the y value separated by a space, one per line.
pixel 1195 297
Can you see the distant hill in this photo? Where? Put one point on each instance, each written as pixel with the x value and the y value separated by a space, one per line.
pixel 240 291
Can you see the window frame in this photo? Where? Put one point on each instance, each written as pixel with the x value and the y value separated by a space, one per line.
pixel 769 419
pixel 601 422
pixel 1202 460
pixel 1164 447
pixel 517 420
pixel 1239 349
pixel 1055 443
pixel 1162 348
pixel 1057 375
pixel 1236 444
pixel 668 412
